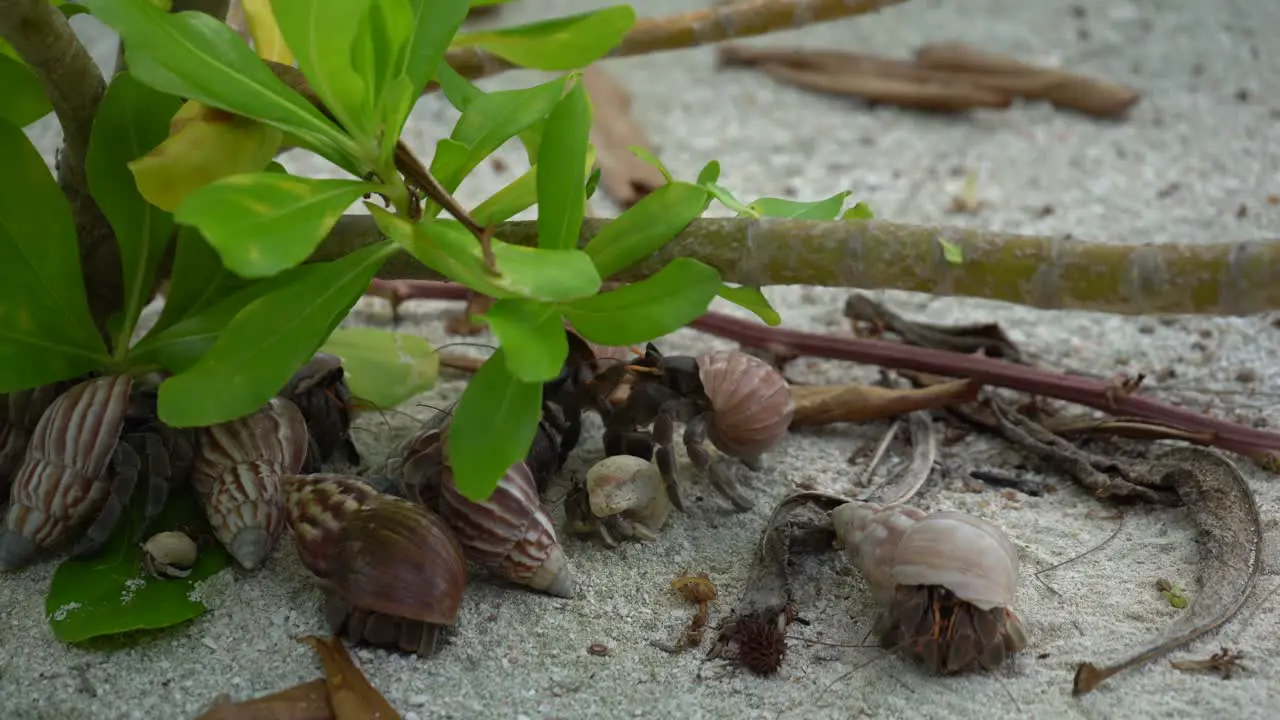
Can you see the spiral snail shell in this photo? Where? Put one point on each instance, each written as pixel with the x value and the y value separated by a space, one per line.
pixel 752 401
pixel 946 581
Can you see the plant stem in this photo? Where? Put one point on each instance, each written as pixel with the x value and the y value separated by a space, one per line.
pixel 43 38
pixel 699 27
pixel 1259 445
pixel 1050 273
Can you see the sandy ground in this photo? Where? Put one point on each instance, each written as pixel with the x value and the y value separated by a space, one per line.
pixel 1200 146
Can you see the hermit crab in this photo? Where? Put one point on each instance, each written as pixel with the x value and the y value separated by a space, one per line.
pixel 510 534
pixel 621 497
pixel 738 401
pixel 320 391
pixel 946 582
pixel 82 464
pixel 393 572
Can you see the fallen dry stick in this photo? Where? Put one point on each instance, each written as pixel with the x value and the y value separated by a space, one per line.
pixel 1259 445
pixel 875 79
pixel 825 404
pixel 1066 90
pixel 944 76
pixel 623 176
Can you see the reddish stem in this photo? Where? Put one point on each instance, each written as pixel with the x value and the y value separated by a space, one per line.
pixel 1257 444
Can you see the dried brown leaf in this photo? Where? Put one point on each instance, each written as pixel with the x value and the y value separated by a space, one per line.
pixel 1224 508
pixel 825 404
pixel 623 176
pixel 351 694
pixel 308 701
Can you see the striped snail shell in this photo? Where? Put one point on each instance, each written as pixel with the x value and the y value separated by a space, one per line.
pixel 752 402
pixel 237 474
pixel 510 534
pixel 63 480
pixel 947 581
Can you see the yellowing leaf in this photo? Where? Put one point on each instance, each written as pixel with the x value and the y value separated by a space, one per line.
pixel 205 144
pixel 951 252
pixel 267 39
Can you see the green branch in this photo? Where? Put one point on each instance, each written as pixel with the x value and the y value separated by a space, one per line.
pixel 1051 273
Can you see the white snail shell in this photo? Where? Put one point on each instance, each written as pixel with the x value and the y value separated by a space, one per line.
pixel 631 487
pixel 899 545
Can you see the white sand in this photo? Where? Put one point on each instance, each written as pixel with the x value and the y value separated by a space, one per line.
pixel 522 655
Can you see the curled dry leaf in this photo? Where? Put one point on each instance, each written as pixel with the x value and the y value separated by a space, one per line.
pixel 351 694
pixel 1230 554
pixel 307 701
pixel 825 404
pixel 623 176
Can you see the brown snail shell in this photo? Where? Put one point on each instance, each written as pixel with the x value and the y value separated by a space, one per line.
pixel 237 474
pixel 396 557
pixel 20 412
pixel 946 580
pixel 62 480
pixel 316 506
pixel 510 534
pixel 752 401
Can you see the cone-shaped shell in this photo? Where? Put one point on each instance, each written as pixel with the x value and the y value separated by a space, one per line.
pixel 396 557
pixel 20 412
pixel 870 535
pixel 316 506
pixel 237 474
pixel 509 534
pixel 62 481
pixel 963 553
pixel 752 401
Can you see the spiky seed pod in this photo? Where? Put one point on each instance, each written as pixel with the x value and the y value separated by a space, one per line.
pixel 947 581
pixel 62 481
pixel 316 506
pixel 752 402
pixel 237 475
pixel 396 557
pixel 510 534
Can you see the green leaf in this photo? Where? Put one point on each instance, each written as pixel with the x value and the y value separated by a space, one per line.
pixel 378 55
pixel 534 273
pixel 709 174
pixel 198 280
pixel 198 57
pixel 861 211
pixel 532 334
pixel 179 347
pixel 828 209
pixel 459 91
pixel 752 299
pixel 112 593
pixel 646 226
pixel 662 303
pixel 562 170
pixel 492 119
pixel 132 119
pixel 382 367
pixel 519 195
pixel 646 155
pixel 46 331
pixel 322 36
pixel 564 43
pixel 951 252
pixel 593 182
pixel 260 349
pixel 23 93
pixel 492 427
pixel 435 23
pixel 727 199
pixel 262 223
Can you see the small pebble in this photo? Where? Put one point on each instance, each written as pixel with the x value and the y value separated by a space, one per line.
pixel 598 649
pixel 418 700
pixel 412 716
pixel 1247 375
